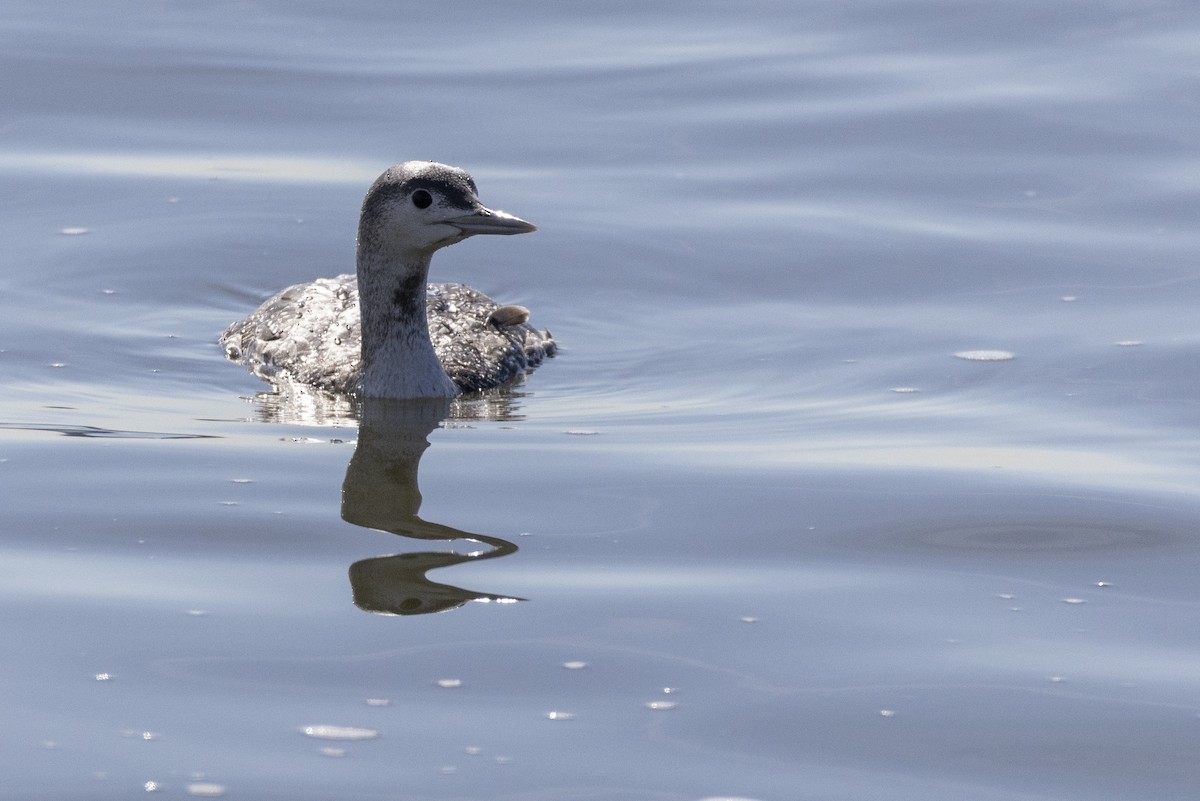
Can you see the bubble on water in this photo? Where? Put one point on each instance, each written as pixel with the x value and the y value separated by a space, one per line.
pixel 1074 601
pixel 73 231
pixel 748 619
pixel 104 677
pixel 660 706
pixel 560 715
pixel 151 787
pixel 575 665
pixel 449 683
pixel 887 713
pixel 986 355
pixel 206 789
pixel 326 732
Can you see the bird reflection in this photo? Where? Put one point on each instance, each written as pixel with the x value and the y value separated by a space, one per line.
pixel 381 492
pixel 309 406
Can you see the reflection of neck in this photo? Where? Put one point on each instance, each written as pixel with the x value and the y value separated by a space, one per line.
pixel 398 360
pixel 381 490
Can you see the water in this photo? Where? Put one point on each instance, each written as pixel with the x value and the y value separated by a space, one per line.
pixel 757 476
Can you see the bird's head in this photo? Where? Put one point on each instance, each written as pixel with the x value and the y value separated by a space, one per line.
pixel 420 206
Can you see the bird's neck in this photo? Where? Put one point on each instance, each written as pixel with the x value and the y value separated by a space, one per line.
pixel 398 359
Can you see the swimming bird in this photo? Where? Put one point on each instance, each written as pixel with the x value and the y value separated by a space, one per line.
pixel 385 331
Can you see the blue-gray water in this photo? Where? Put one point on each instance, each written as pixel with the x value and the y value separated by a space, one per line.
pixel 757 474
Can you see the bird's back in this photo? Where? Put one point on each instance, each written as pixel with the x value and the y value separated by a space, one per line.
pixel 309 334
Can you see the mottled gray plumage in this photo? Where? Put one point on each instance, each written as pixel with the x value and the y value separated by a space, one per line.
pixel 309 334
pixel 402 337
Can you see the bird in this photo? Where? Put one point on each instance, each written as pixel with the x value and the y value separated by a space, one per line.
pixel 385 331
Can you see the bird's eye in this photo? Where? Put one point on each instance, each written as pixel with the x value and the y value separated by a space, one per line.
pixel 422 199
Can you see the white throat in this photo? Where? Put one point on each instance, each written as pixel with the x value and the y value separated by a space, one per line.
pixel 398 359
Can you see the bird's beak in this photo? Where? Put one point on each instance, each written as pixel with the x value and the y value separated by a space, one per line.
pixel 488 221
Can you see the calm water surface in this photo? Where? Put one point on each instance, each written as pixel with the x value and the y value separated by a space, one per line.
pixel 772 538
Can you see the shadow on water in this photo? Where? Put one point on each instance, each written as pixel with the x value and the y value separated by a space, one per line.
pixel 381 492
pixel 97 432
